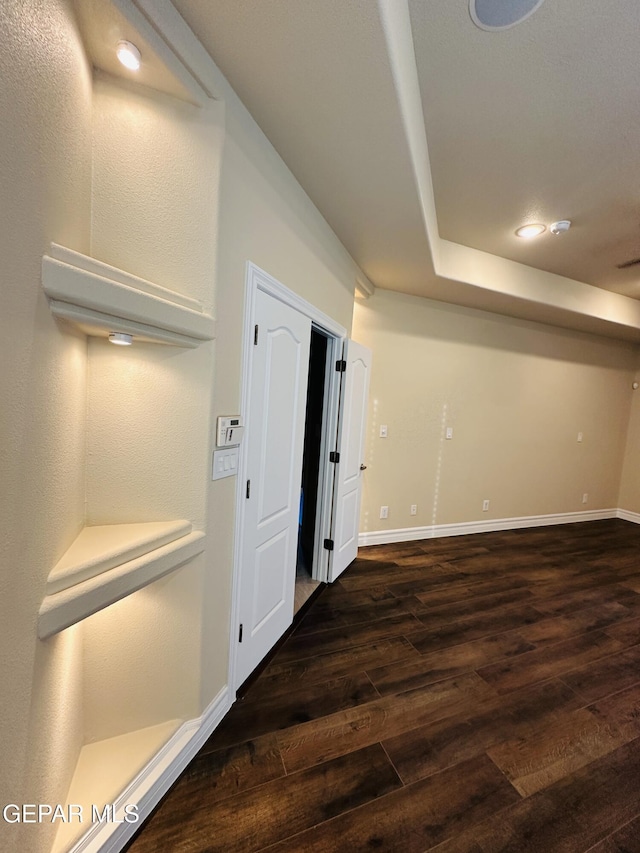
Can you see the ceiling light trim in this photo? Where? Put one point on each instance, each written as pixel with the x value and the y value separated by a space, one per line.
pixel 531 230
pixel 486 14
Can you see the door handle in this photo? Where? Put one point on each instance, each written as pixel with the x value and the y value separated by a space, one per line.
pixel 363 467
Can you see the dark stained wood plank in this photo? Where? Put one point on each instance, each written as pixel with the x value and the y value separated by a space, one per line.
pixel 622 710
pixel 576 583
pixel 415 818
pixel 572 601
pixel 282 676
pixel 484 625
pixel 568 625
pixel 446 663
pixel 473 607
pixel 327 619
pixel 262 816
pixel 462 843
pixel 627 633
pixel 572 815
pixel 428 583
pixel 471 588
pixel 255 716
pixel 565 744
pixel 221 774
pixel 510 560
pixel 424 751
pixel 456 547
pixel 624 840
pixel 336 596
pixel 549 662
pixel 317 741
pixel 382 553
pixel 347 636
pixel 423 560
pixel 435 575
pixel 608 676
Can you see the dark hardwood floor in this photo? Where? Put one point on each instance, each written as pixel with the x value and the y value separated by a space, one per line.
pixel 473 694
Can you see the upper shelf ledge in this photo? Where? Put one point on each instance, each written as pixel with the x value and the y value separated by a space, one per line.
pixel 108 562
pixel 101 299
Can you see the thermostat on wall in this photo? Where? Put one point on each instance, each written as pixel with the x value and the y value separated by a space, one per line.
pixel 230 431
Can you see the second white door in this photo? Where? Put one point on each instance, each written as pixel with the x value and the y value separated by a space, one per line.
pixel 347 488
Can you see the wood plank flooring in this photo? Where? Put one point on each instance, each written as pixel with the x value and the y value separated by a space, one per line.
pixel 477 694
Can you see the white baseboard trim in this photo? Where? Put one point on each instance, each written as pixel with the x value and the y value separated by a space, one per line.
pixel 627 515
pixel 152 783
pixel 434 531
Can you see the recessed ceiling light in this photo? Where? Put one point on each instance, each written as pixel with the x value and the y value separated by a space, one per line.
pixel 532 230
pixel 501 14
pixel 129 55
pixel 121 339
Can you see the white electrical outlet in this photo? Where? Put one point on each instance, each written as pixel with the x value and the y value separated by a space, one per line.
pixel 383 430
pixel 449 433
pixel 585 497
pixel 579 436
pixel 485 506
pixel 384 512
pixel 414 509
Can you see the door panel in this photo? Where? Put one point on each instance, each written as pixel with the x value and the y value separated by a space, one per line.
pixel 351 440
pixel 277 403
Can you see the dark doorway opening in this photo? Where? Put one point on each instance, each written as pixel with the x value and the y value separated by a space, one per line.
pixel 311 468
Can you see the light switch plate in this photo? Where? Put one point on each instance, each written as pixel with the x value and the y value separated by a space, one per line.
pixel 225 463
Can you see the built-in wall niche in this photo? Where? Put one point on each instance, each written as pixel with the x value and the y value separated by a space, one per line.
pixel 138 699
pixel 107 562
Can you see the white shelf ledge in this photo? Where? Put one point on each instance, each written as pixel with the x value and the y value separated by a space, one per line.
pixel 104 771
pixel 108 562
pixel 102 547
pixel 100 299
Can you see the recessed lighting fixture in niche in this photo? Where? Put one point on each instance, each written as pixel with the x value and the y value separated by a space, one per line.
pixel 501 14
pixel 120 339
pixel 129 55
pixel 527 232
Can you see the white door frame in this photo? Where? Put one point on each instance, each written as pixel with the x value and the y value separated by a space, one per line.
pixel 258 279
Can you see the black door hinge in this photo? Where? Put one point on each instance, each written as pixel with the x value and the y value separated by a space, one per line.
pixel 334 456
pixel 248 488
pixel 255 336
pixel 240 633
pixel 328 544
pixel 341 366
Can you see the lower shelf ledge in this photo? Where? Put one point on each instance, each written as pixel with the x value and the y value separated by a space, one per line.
pixel 62 609
pixel 104 773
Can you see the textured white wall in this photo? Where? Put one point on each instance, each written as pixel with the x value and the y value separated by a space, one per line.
pixel 156 163
pixel 142 657
pixel 629 497
pixel 265 218
pixel 147 432
pixel 516 395
pixel 45 132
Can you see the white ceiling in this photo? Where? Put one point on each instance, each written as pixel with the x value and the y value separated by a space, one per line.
pixel 536 122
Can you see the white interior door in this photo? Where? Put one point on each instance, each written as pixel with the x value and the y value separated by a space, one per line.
pixel 351 438
pixel 277 404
